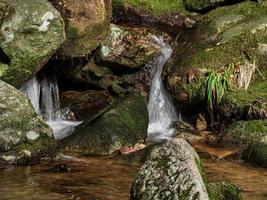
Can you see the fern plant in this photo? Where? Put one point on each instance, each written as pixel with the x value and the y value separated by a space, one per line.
pixel 215 85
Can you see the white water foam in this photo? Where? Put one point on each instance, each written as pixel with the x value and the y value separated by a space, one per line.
pixel 161 110
pixel 44 96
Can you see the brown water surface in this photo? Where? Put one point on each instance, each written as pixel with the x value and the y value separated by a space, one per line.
pixel 103 178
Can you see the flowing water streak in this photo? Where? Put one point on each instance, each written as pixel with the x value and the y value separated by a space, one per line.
pixel 160 106
pixel 44 96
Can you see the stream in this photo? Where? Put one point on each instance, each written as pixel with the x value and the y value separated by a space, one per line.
pixel 106 178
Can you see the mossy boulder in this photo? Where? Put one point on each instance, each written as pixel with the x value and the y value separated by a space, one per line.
pixel 128 48
pixel 24 137
pixel 172 171
pixel 31 32
pixel 256 154
pixel 248 104
pixel 245 132
pixel 123 125
pixel 168 15
pixel 84 104
pixel 224 191
pixel 234 35
pixel 87 25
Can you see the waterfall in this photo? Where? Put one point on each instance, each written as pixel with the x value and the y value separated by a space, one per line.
pixel 44 96
pixel 161 110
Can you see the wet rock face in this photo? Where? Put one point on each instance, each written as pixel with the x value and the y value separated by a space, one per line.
pixel 31 32
pixel 256 154
pixel 24 137
pixel 85 104
pixel 87 24
pixel 124 124
pixel 172 171
pixel 130 48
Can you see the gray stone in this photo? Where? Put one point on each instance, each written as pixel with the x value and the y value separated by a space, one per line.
pixel 172 171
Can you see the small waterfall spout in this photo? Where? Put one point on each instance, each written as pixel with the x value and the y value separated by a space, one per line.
pixel 44 96
pixel 160 106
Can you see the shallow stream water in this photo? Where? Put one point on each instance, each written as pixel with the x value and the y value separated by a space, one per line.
pixel 103 178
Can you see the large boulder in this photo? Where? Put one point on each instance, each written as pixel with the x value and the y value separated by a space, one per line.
pixel 245 132
pixel 24 137
pixel 128 48
pixel 31 32
pixel 87 24
pixel 229 35
pixel 125 124
pixel 172 171
pixel 256 154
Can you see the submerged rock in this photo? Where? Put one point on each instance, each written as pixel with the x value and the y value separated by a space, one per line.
pixel 128 48
pixel 24 137
pixel 123 125
pixel 245 132
pixel 172 171
pixel 256 154
pixel 87 25
pixel 31 32
pixel 84 104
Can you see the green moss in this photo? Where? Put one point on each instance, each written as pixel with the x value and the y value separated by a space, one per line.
pixel 246 132
pixel 154 7
pixel 72 32
pixel 256 154
pixel 162 163
pixel 124 124
pixel 224 191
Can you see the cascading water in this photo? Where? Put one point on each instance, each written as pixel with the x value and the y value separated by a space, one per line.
pixel 44 96
pixel 161 110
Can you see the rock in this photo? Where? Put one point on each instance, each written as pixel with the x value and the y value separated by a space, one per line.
pixel 227 35
pixel 87 25
pixel 224 191
pixel 128 48
pixel 24 137
pixel 201 123
pixel 167 15
pixel 256 154
pixel 172 171
pixel 31 32
pixel 103 77
pixel 84 104
pixel 202 5
pixel 248 104
pixel 245 132
pixel 123 125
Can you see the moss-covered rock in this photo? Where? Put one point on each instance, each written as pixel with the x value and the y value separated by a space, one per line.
pixel 224 191
pixel 203 5
pixel 129 48
pixel 248 104
pixel 172 171
pixel 31 32
pixel 230 35
pixel 87 24
pixel 84 104
pixel 256 154
pixel 124 124
pixel 245 132
pixel 24 137
pixel 167 15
